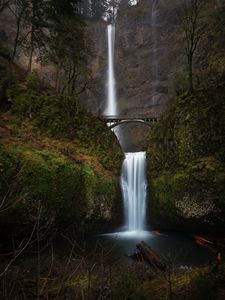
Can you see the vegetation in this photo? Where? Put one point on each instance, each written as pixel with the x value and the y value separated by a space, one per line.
pixel 59 165
pixel 98 9
pixel 96 276
pixel 186 149
pixel 200 41
pixel 187 162
pixel 193 31
pixel 41 28
pixel 53 155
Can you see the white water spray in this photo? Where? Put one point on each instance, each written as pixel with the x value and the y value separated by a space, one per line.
pixel 134 187
pixel 111 108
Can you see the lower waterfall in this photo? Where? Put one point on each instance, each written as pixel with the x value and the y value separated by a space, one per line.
pixel 134 188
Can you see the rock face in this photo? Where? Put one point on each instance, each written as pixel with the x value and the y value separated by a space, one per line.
pixel 66 164
pixel 144 38
pixel 143 45
pixel 186 164
pixel 94 99
pixel 70 192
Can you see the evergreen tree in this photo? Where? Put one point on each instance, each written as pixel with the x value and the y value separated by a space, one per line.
pixel 66 44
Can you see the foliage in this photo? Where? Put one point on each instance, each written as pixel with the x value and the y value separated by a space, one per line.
pixel 193 28
pixel 59 116
pixel 201 32
pixel 33 82
pixel 127 288
pixel 65 188
pixel 186 158
pixel 32 176
pixel 99 9
pixel 203 287
pixel 56 156
pixel 52 33
pixel 7 76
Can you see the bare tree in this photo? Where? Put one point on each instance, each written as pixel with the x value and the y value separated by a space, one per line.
pixel 4 4
pixel 18 9
pixel 193 31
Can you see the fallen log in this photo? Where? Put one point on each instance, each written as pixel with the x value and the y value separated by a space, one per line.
pixel 135 256
pixel 150 256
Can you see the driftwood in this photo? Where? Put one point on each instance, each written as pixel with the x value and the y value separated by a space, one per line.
pixel 150 256
pixel 135 255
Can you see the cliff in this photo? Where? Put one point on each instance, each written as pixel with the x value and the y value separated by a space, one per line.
pixel 186 164
pixel 143 44
pixel 57 162
pixel 141 56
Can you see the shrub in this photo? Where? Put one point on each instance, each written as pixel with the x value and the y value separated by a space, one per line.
pixel 203 287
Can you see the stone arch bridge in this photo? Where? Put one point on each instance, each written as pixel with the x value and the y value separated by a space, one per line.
pixel 113 121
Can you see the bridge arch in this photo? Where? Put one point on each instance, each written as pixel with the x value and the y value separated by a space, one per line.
pixel 129 121
pixel 114 121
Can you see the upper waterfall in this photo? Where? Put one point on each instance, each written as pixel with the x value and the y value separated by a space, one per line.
pixel 111 108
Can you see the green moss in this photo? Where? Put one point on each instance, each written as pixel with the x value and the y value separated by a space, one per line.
pixel 203 287
pixel 67 191
pixel 41 177
pixel 106 185
pixel 162 188
pixel 56 156
pixel 60 117
pixel 129 288
pixel 186 153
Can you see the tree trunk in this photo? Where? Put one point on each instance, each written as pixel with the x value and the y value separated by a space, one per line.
pixel 31 50
pixel 17 37
pixel 4 5
pixel 57 77
pixel 150 256
pixel 190 73
pixel 74 80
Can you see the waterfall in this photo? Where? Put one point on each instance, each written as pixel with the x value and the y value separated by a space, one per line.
pixel 111 108
pixel 134 183
pixel 133 178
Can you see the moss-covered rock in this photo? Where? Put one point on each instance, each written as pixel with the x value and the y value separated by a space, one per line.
pixel 64 191
pixel 56 161
pixel 186 164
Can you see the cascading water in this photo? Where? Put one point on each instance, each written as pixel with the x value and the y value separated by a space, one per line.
pixel 111 108
pixel 133 181
pixel 133 178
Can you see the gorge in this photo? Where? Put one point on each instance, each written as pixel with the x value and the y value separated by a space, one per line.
pixel 134 172
pixel 111 135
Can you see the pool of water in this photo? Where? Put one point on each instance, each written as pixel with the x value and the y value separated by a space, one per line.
pixel 181 247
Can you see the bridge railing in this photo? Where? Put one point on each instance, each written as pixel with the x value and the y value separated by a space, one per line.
pixel 128 117
pixel 114 121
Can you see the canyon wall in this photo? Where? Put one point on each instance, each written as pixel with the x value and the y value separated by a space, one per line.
pixel 143 47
